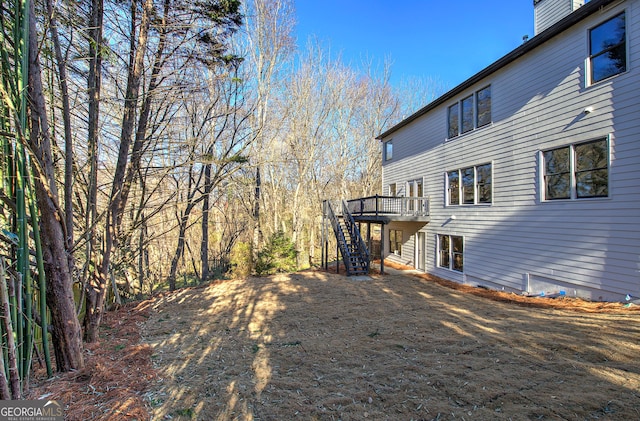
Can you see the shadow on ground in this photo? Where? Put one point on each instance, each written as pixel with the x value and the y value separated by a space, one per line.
pixel 315 345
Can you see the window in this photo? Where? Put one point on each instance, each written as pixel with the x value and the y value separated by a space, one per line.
pixel 608 48
pixel 392 189
pixel 453 178
pixel 453 120
pixel 557 174
pixel 467 114
pixel 470 113
pixel 451 252
pixel 483 107
pixel 469 186
pixel 577 171
pixel 388 150
pixel 468 183
pixel 592 169
pixel 414 190
pixel 483 182
pixel 395 242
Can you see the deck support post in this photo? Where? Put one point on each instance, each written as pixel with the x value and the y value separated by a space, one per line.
pixel 369 241
pixel 382 250
pixel 322 237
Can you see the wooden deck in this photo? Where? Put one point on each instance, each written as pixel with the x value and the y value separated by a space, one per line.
pixel 384 209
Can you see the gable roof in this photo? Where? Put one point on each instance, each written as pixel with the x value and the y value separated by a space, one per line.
pixel 559 27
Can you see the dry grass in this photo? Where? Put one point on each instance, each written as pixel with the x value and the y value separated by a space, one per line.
pixel 316 345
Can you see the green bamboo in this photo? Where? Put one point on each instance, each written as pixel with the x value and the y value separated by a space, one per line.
pixel 9 80
pixel 41 278
pixel 12 362
pixel 27 334
pixel 22 255
pixel 17 184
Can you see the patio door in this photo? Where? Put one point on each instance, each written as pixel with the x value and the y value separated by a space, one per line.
pixel 414 189
pixel 420 251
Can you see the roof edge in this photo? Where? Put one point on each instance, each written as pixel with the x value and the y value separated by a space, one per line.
pixel 581 13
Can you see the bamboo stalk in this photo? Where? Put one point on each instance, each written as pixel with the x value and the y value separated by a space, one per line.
pixel 14 377
pixel 41 278
pixel 5 394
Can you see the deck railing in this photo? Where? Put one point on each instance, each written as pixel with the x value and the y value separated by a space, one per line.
pixel 389 205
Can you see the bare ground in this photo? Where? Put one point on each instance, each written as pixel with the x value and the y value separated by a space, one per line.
pixel 320 346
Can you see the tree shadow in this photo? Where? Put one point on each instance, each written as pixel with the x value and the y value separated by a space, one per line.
pixel 315 345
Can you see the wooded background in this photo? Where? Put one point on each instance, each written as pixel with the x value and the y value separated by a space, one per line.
pixel 168 142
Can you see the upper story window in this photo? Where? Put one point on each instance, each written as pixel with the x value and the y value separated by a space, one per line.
pixel 483 107
pixel 454 116
pixel 470 113
pixel 392 190
pixel 467 114
pixel 388 150
pixel 414 189
pixel 577 171
pixel 608 48
pixel 470 185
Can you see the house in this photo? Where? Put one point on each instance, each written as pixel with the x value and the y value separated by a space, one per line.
pixel 526 174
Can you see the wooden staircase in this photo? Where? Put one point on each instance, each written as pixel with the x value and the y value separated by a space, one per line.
pixel 354 251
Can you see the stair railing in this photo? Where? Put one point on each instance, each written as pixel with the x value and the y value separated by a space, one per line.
pixel 354 232
pixel 342 241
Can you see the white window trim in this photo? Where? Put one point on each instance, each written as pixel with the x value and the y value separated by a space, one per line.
pixel 395 187
pixel 447 199
pixel 587 61
pixel 572 173
pixel 384 150
pixel 438 248
pixel 474 106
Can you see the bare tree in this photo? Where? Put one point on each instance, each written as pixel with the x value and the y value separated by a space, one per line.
pixel 270 43
pixel 66 328
pixel 218 137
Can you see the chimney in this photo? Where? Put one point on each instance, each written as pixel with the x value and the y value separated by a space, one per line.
pixel 548 12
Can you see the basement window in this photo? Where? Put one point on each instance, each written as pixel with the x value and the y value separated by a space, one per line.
pixel 451 252
pixel 395 242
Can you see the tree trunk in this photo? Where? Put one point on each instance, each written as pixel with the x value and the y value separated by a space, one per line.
pixel 96 298
pixel 94 83
pixel 257 232
pixel 145 111
pixel 66 118
pixel 204 245
pixel 143 254
pixel 184 219
pixel 66 328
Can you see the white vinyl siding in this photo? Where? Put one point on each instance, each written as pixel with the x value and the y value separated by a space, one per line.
pixel 548 12
pixel 588 247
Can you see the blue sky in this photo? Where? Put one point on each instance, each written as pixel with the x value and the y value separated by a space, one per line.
pixel 447 40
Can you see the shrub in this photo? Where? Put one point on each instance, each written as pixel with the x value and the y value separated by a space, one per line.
pixel 240 260
pixel 278 255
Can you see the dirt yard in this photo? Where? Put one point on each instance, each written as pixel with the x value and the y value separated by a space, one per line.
pixel 320 346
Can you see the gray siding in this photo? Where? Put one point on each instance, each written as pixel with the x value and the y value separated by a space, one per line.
pixel 548 12
pixel 588 247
